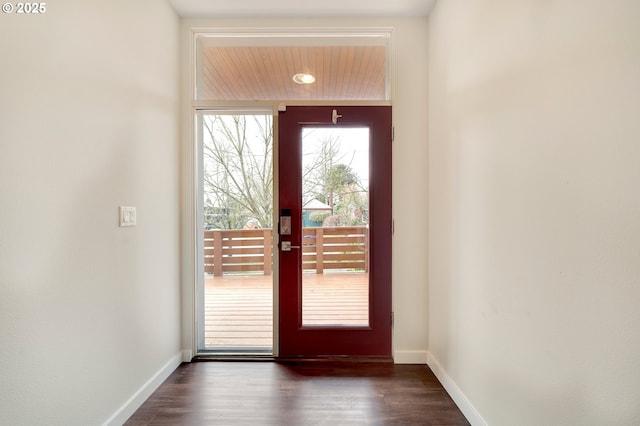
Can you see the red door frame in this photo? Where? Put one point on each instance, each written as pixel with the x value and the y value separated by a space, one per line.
pixel 375 340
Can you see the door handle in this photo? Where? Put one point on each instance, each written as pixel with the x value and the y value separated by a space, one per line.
pixel 286 246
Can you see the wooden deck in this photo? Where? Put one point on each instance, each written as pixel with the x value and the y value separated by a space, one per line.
pixel 239 309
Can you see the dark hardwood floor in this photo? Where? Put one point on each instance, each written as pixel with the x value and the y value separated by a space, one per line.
pixel 299 393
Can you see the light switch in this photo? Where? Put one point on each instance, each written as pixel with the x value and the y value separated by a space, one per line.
pixel 127 216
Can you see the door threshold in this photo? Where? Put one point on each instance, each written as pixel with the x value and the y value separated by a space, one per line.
pixel 336 359
pixel 232 357
pixel 294 360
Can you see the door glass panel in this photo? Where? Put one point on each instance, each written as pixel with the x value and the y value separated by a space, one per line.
pixel 335 226
pixel 237 209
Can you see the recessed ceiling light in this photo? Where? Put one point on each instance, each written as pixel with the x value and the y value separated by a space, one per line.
pixel 301 78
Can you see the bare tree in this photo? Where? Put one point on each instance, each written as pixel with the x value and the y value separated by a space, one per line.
pixel 317 168
pixel 238 169
pixel 238 174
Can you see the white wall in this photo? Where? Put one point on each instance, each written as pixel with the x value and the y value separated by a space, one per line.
pixel 89 312
pixel 534 208
pixel 409 172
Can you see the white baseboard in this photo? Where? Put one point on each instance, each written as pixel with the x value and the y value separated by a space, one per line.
pixel 409 357
pixel 455 392
pixel 187 355
pixel 141 395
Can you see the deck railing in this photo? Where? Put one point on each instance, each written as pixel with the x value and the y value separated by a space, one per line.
pixel 230 251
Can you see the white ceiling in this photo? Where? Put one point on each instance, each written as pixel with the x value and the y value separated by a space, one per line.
pixel 299 8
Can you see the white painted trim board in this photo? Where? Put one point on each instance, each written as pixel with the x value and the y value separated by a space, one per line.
pixel 464 404
pixel 132 404
pixel 409 357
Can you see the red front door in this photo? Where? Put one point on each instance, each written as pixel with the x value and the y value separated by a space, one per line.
pixel 335 231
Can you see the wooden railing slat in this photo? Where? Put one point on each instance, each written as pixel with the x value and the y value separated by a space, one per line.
pixel 228 260
pixel 242 250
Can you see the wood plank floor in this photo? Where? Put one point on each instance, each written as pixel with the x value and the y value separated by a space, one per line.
pixel 313 393
pixel 239 309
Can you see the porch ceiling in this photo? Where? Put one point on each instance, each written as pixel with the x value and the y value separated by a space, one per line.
pixel 265 72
